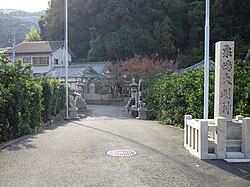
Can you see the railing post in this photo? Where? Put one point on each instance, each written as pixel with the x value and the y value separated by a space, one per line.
pixel 203 139
pixel 186 130
pixel 246 137
pixel 220 137
pixel 196 140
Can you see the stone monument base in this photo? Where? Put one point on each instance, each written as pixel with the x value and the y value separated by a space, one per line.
pixel 73 113
pixel 142 113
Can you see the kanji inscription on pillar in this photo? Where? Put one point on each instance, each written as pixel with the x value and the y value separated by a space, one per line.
pixel 224 79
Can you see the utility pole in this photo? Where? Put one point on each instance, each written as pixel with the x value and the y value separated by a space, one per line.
pixel 66 59
pixel 13 47
pixel 206 61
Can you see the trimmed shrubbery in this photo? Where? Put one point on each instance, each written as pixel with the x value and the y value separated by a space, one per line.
pixel 25 102
pixel 53 95
pixel 174 95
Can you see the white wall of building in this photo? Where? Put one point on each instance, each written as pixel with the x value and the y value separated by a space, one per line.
pixel 37 69
pixel 59 54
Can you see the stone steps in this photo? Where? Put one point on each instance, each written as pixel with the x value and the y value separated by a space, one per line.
pixel 236 157
pixel 237 160
pixel 233 145
pixel 212 156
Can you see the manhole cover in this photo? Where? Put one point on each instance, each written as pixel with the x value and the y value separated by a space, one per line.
pixel 121 153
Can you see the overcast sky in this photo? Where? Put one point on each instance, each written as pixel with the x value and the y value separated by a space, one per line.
pixel 25 5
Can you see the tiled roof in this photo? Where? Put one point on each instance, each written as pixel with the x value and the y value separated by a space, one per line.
pixel 37 47
pixel 81 70
pixel 199 65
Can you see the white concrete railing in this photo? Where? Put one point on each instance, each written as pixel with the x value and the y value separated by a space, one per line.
pixel 246 137
pixel 196 137
pixel 197 141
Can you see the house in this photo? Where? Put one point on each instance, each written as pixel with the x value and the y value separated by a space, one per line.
pixel 43 55
pixel 82 75
pixel 88 79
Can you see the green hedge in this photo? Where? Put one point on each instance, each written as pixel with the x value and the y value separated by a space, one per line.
pixel 54 97
pixel 24 101
pixel 174 95
pixel 20 101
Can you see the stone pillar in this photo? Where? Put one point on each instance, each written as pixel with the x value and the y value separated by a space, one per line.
pixel 224 76
pixel 246 137
pixel 220 137
pixel 85 87
pixel 133 92
pixel 92 88
pixel 203 139
pixel 136 100
pixel 140 88
pixel 73 109
pixel 142 112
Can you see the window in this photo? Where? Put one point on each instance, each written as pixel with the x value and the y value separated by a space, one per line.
pixel 27 60
pixel 56 61
pixel 40 60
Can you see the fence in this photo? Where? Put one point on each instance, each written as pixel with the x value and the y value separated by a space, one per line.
pixel 207 139
pixel 202 135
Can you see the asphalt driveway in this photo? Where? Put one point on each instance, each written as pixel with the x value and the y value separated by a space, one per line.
pixel 74 153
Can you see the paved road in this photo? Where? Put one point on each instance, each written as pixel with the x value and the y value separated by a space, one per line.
pixel 75 154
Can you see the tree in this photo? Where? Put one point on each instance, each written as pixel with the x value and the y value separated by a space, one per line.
pixel 140 67
pixel 163 33
pixel 33 35
pixel 120 29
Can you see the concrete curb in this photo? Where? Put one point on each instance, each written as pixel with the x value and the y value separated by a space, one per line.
pixel 10 142
pixel 16 140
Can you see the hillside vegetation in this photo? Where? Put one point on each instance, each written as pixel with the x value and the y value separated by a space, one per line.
pixel 19 21
pixel 171 29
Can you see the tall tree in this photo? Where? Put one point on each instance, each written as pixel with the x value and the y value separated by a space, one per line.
pixel 33 35
pixel 120 29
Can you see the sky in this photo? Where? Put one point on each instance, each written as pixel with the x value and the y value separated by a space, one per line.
pixel 25 5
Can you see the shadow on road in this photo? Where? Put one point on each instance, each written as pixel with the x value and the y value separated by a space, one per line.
pixel 239 169
pixel 24 142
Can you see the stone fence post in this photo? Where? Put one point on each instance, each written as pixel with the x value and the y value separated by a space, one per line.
pixel 246 137
pixel 186 130
pixel 203 137
pixel 220 137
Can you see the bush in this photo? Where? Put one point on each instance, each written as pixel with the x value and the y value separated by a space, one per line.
pixel 53 97
pixel 25 101
pixel 20 99
pixel 242 88
pixel 47 94
pixel 174 95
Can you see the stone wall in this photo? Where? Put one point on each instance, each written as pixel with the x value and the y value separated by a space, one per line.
pixel 98 99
